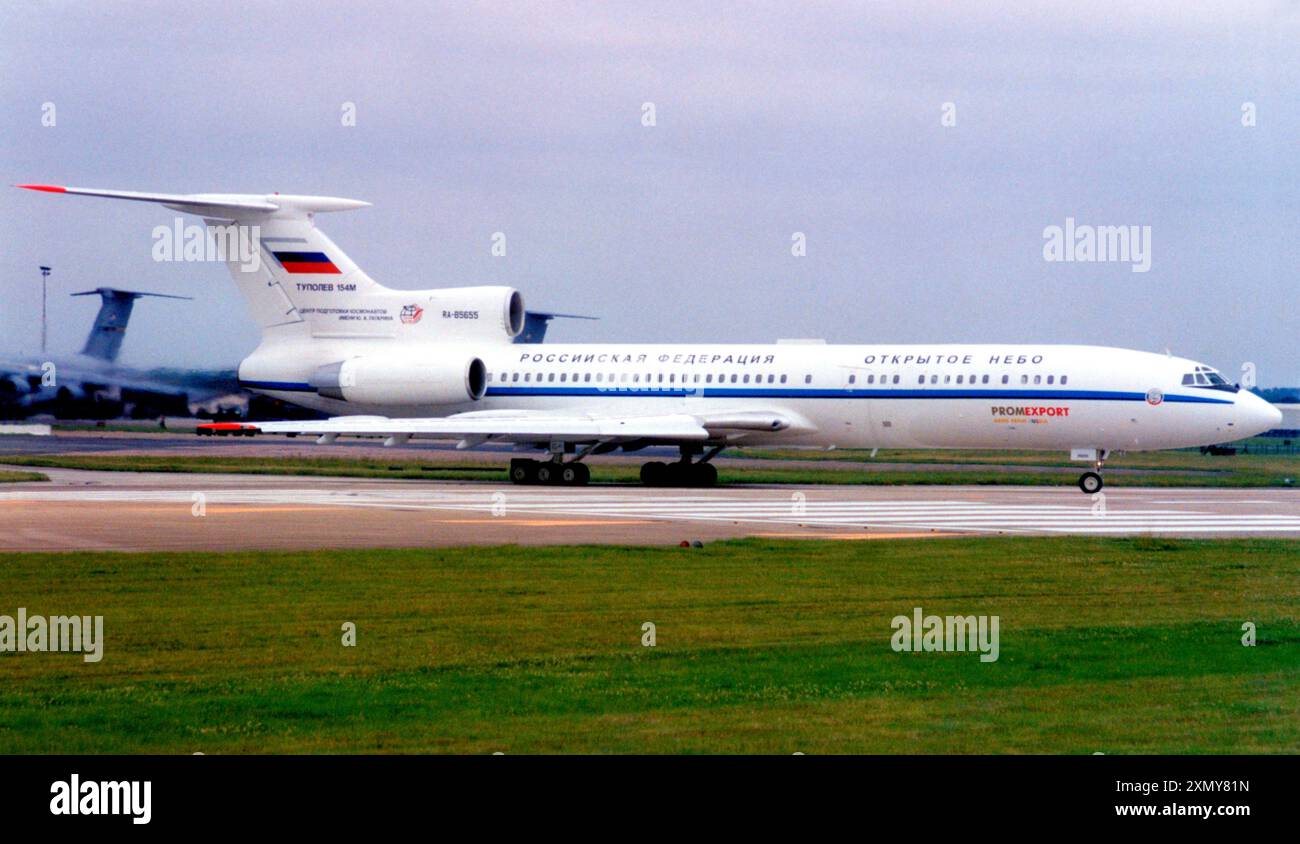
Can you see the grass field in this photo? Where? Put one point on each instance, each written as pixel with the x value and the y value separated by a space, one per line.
pixel 1254 469
pixel 1118 646
pixel 1185 459
pixel 16 477
pixel 1167 469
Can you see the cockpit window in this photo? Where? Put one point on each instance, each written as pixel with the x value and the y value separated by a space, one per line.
pixel 1205 376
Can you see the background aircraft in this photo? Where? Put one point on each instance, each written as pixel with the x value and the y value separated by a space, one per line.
pixel 92 385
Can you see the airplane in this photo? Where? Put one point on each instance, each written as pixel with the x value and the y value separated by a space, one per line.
pixel 441 363
pixel 90 384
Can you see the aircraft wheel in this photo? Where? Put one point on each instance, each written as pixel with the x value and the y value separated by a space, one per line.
pixel 1090 482
pixel 706 474
pixel 547 474
pixel 574 474
pixel 523 471
pixel 654 473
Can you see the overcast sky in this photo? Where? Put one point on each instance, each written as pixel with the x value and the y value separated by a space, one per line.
pixel 824 119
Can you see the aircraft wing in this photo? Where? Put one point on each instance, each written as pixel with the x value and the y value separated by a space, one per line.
pixel 525 427
pixel 198 384
pixel 535 426
pixel 21 384
pixel 111 377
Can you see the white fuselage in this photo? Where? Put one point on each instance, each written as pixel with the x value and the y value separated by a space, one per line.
pixel 1043 397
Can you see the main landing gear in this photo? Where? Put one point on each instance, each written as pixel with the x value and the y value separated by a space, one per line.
pixel 557 472
pixel 683 472
pixel 553 472
pixel 1090 482
pixel 549 472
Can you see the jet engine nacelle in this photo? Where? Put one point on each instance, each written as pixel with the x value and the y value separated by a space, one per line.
pixel 13 386
pixel 443 377
pixel 472 313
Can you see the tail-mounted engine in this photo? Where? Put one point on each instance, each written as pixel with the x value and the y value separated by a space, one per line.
pixel 450 378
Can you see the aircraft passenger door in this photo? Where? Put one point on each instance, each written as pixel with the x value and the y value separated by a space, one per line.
pixel 856 386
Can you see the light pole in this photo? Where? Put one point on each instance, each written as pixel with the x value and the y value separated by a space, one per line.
pixel 45 273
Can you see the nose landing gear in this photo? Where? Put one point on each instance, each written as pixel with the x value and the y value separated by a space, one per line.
pixel 1091 482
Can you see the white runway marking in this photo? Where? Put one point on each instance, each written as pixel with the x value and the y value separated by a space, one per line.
pixel 967 516
pixel 1062 513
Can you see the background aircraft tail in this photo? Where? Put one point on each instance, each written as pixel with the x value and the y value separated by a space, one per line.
pixel 108 332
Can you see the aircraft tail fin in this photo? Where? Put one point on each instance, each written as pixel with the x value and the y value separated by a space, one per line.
pixel 108 332
pixel 282 264
pixel 300 285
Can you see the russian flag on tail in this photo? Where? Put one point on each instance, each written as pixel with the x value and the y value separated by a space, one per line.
pixel 315 263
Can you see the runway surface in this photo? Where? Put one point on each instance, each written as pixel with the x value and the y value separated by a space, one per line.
pixel 490 456
pixel 83 510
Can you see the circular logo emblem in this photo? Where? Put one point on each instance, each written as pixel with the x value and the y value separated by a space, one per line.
pixel 1154 396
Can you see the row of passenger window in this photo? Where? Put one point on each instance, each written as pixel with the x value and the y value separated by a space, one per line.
pixel 971 379
pixel 737 378
pixel 635 378
pixel 964 379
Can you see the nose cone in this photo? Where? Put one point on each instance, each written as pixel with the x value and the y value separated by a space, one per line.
pixel 1256 415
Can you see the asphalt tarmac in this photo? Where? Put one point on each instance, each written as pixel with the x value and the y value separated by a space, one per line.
pixel 488 455
pixel 85 510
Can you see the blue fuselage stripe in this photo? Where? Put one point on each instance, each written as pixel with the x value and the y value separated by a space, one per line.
pixel 789 393
pixel 813 393
pixel 280 386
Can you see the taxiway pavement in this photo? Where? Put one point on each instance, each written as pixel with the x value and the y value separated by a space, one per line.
pixel 84 510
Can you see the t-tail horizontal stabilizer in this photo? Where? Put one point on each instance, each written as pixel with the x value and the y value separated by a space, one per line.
pixel 225 206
